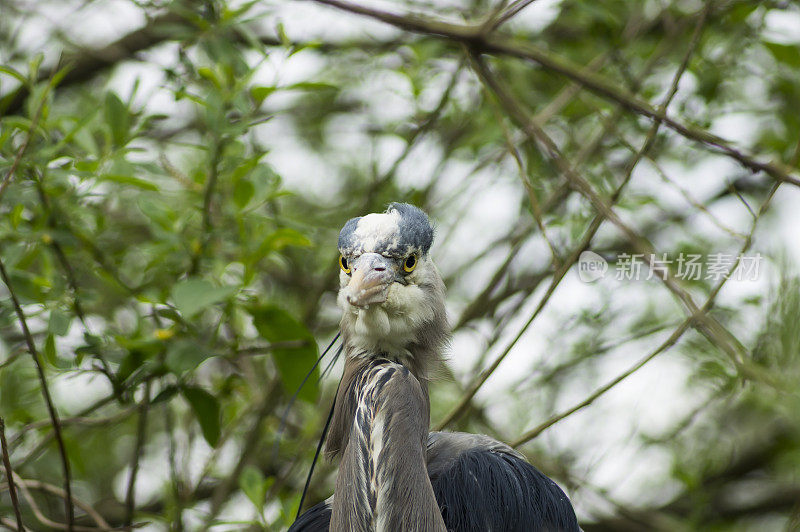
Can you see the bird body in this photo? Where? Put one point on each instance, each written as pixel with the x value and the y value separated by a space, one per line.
pixel 394 475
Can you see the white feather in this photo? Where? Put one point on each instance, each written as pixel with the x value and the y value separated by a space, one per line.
pixel 374 229
pixel 391 326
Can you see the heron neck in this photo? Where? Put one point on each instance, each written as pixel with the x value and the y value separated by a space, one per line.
pixel 383 480
pixel 357 363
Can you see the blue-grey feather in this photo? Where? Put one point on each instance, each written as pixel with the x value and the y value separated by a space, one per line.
pixel 482 489
pixel 415 227
pixel 347 234
pixel 416 234
pixel 489 490
pixel 315 519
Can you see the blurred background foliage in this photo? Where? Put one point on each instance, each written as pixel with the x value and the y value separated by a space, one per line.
pixel 175 172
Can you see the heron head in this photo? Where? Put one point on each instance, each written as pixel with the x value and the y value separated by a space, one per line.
pixel 391 293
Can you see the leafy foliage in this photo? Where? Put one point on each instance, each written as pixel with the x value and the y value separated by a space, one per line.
pixel 169 206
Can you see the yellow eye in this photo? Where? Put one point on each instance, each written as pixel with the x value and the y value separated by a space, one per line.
pixel 410 263
pixel 343 264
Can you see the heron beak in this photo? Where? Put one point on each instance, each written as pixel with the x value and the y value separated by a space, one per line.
pixel 370 280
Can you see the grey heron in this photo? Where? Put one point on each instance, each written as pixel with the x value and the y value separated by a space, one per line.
pixel 394 475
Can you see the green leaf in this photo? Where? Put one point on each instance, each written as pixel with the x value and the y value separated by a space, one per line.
pixel 16 215
pixel 206 410
pixel 117 118
pixel 5 69
pixel 131 362
pixel 50 350
pixel 87 165
pixel 281 30
pixel 129 180
pixel 312 86
pixel 253 484
pixel 280 239
pixel 34 64
pixel 293 363
pixel 165 395
pixel 259 94
pixel 210 75
pixel 59 322
pixel 740 12
pixel 243 192
pixel 784 53
pixel 185 355
pixel 141 356
pixel 193 295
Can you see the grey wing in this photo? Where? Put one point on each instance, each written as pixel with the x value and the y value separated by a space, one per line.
pixel 482 484
pixel 315 519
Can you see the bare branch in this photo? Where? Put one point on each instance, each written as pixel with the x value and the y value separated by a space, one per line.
pixel 27 485
pixel 666 345
pixel 141 434
pixel 208 194
pixel 511 11
pixel 51 409
pixel 12 490
pixel 709 326
pixel 535 131
pixel 58 492
pixel 500 45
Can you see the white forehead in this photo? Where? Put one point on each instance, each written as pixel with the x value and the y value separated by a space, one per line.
pixel 378 229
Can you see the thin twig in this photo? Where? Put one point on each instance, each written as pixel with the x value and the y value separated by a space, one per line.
pixel 532 129
pixel 708 325
pixel 12 490
pixel 536 209
pixel 479 303
pixel 77 420
pixel 69 271
pixel 25 487
pixel 208 195
pixel 47 399
pixel 169 421
pixel 603 348
pixel 141 435
pixel 23 148
pixel 86 411
pixel 667 344
pixel 499 45
pixel 495 22
pixel 58 492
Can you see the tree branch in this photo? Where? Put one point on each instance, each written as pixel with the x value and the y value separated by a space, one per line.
pixel 494 44
pixel 88 63
pixel 521 117
pixel 667 344
pixel 708 325
pixel 12 490
pixel 47 399
pixel 141 436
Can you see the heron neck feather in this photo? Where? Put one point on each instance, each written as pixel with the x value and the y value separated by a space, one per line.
pixel 383 480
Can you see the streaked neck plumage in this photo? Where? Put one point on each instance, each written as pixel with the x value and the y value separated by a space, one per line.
pixel 425 331
pixel 393 327
pixel 382 415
